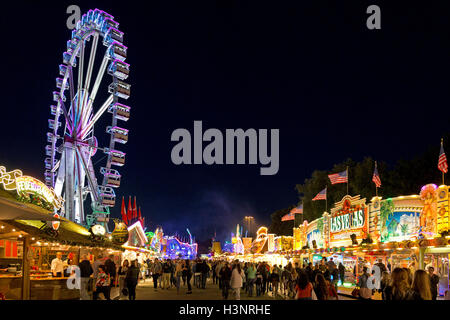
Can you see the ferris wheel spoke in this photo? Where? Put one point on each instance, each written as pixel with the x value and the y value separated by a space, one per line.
pixel 98 79
pixel 97 116
pixel 81 176
pixel 91 61
pixel 91 178
pixel 71 88
pixel 66 115
pixel 80 68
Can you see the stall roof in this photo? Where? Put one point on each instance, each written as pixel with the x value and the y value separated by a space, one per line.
pixel 68 233
pixel 13 210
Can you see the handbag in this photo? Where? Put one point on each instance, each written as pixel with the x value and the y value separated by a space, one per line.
pixel 125 291
pixel 355 292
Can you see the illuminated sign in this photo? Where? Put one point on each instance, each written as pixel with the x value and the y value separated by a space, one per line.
pixel 26 186
pixel 349 216
pixel 29 185
pixel 8 179
pixel 347 221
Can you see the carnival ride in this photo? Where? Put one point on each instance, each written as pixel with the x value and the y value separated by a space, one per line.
pixel 69 165
pixel 237 241
pixel 260 244
pixel 171 247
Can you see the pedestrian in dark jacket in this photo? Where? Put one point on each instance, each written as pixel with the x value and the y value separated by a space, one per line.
pixel 434 281
pixel 225 276
pixel 341 269
pixel 111 271
pixel 85 274
pixel 131 280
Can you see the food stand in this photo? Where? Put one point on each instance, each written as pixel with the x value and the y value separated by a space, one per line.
pixel 31 235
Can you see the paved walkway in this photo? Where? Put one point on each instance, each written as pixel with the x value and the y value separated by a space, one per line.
pixel 145 291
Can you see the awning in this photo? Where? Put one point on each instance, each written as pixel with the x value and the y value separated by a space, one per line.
pixel 11 210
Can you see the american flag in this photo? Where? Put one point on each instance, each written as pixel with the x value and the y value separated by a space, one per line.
pixel 376 177
pixel 442 162
pixel 340 177
pixel 299 209
pixel 287 217
pixel 322 195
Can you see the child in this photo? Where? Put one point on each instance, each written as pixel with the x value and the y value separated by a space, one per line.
pixel 102 284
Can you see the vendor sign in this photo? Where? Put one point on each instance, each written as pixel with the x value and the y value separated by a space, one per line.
pixel 349 216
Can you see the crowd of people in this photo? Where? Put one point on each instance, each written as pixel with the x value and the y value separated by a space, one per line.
pixel 400 284
pixel 307 282
pixel 288 282
pixel 101 276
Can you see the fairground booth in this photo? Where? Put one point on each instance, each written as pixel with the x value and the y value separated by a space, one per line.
pixel 31 235
pixel 406 231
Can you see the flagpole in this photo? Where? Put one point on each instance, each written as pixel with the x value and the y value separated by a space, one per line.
pixel 347 180
pixel 326 204
pixel 442 144
pixel 376 187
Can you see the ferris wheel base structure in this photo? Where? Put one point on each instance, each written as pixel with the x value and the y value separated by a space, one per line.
pixel 72 145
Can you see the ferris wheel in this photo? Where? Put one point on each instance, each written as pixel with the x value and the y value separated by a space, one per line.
pixel 70 166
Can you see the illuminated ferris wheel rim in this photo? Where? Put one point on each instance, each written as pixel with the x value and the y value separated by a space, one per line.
pixel 80 118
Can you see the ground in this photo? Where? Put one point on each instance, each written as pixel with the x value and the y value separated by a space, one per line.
pixel 145 291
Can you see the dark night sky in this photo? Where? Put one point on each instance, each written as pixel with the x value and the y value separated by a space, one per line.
pixel 309 68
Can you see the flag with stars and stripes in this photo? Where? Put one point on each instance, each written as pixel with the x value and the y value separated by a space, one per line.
pixel 298 209
pixel 287 217
pixel 442 162
pixel 340 177
pixel 322 195
pixel 376 177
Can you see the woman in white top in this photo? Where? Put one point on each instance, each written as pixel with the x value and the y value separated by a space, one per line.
pixel 237 277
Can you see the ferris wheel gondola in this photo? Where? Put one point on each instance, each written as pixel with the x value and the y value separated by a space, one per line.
pixel 69 165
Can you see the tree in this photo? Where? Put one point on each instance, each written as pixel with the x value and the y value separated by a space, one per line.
pixel 282 228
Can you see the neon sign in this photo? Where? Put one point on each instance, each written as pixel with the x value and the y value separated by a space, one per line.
pixel 29 185
pixel 8 179
pixel 349 216
pixel 25 185
pixel 347 221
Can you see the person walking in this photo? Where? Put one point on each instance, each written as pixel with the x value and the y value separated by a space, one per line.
pixel 385 280
pixel 434 282
pixel 323 289
pixel 251 278
pixel 102 284
pixel 363 280
pixel 95 267
pixel 167 270
pixel 275 281
pixel 110 268
pixel 237 280
pixel 341 269
pixel 225 276
pixel 187 271
pixel 204 270
pixel 219 267
pixel 265 278
pixel 399 288
pixel 304 289
pixel 421 286
pixel 131 279
pixel 156 272
pixel 85 275
pixel 178 274
pixel 122 273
